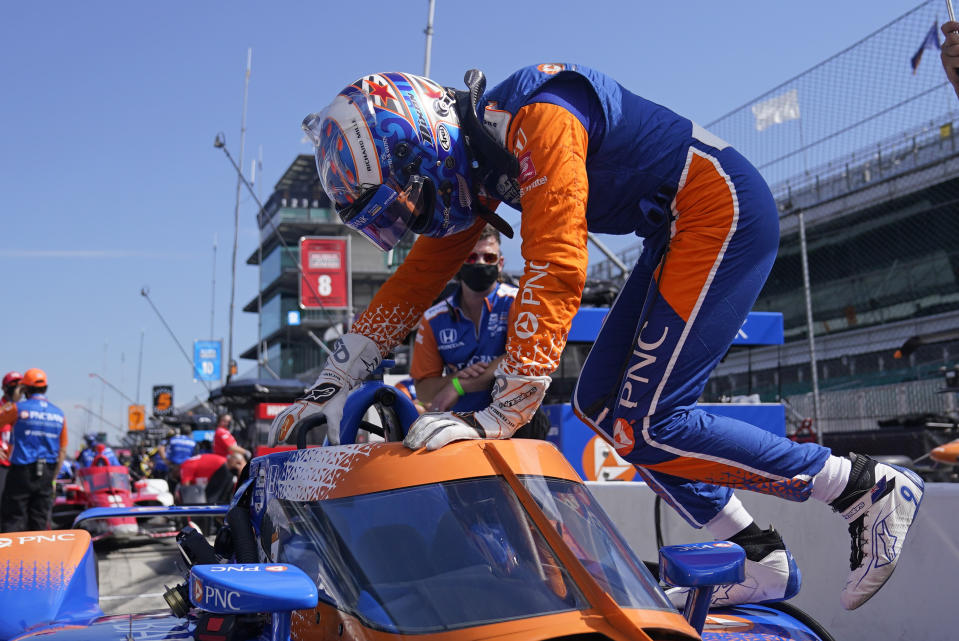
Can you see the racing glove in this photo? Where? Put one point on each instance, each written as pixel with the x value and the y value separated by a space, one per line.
pixel 354 358
pixel 515 400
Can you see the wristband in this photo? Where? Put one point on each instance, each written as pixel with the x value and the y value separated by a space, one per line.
pixel 455 382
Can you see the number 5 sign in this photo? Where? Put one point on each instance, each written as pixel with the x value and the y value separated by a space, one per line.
pixel 326 280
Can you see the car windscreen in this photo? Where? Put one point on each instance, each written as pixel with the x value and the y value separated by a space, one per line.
pixel 589 533
pixel 97 481
pixel 428 558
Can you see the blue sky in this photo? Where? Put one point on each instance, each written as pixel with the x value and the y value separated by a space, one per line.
pixel 110 181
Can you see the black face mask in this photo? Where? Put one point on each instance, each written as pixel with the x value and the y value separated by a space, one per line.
pixel 478 276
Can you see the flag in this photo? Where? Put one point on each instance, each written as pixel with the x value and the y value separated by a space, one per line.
pixel 931 41
pixel 776 110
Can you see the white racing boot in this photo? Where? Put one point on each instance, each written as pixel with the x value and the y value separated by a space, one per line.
pixel 771 574
pixel 879 503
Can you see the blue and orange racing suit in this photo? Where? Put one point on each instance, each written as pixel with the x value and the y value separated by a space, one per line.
pixel 595 157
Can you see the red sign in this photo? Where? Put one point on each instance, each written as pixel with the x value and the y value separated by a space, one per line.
pixel 325 281
pixel 269 411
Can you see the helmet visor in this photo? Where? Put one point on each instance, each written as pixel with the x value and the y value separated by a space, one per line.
pixel 384 214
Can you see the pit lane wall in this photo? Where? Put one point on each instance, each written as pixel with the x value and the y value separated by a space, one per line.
pixel 917 604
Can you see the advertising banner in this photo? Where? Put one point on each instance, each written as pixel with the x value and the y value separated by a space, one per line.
pixel 326 279
pixel 207 356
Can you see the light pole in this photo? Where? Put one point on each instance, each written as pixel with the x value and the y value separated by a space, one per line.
pixel 113 387
pixel 145 292
pixel 97 416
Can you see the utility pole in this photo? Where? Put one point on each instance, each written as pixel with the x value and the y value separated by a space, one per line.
pixel 236 213
pixel 429 39
pixel 213 290
pixel 139 368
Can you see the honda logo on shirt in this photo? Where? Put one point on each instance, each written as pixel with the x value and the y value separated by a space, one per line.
pixel 447 336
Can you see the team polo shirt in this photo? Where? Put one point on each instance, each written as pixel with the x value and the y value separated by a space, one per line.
pixel 447 341
pixel 223 440
pixel 198 469
pixel 179 448
pixel 39 430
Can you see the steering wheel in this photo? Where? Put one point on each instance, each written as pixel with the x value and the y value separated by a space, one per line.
pixel 396 410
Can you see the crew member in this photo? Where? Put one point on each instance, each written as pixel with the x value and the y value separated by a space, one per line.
pixel 178 447
pixel 577 152
pixel 223 440
pixel 39 448
pixel 461 339
pixel 11 394
pixel 211 472
pixel 96 450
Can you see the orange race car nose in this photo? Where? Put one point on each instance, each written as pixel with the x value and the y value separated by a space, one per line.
pixel 946 453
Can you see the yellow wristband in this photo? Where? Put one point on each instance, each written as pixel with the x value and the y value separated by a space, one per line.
pixel 458 386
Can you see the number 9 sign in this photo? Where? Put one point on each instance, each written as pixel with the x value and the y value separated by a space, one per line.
pixel 325 280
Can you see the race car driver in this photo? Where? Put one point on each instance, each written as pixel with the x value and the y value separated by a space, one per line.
pixel 576 152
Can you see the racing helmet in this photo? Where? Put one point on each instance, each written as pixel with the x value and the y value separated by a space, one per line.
pixel 392 156
pixel 10 379
pixel 35 377
pixel 90 439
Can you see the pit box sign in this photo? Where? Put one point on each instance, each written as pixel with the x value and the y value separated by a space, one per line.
pixel 207 356
pixel 162 400
pixel 326 281
pixel 136 418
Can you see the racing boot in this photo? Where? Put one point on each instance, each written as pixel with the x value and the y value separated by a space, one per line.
pixel 879 503
pixel 771 572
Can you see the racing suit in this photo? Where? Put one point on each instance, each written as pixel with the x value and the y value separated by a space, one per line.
pixel 595 157
pixel 39 448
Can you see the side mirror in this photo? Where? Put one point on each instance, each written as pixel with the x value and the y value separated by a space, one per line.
pixel 246 588
pixel 701 566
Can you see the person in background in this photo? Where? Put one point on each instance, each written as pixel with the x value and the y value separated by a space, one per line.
pixel 96 451
pixel 461 340
pixel 950 54
pixel 178 447
pixel 39 449
pixel 11 394
pixel 208 478
pixel 576 152
pixel 224 441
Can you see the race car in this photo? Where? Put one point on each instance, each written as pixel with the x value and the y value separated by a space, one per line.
pixel 110 486
pixel 373 542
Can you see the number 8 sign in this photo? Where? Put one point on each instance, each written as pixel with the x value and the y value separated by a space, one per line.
pixel 325 282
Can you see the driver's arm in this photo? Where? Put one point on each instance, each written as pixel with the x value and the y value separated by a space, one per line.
pixel 400 302
pixel 554 236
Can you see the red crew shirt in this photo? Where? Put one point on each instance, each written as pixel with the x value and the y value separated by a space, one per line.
pixel 199 468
